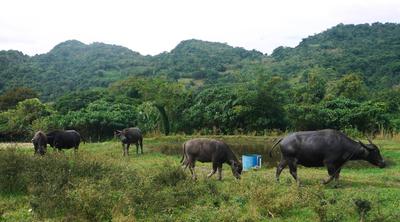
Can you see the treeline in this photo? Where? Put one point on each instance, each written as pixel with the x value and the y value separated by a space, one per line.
pixel 163 106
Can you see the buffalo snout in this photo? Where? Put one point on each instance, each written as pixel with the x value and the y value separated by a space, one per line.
pixel 382 164
pixel 41 152
pixel 238 176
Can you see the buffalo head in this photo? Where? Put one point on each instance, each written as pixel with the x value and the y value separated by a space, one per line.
pixel 374 155
pixel 236 168
pixel 121 135
pixel 40 143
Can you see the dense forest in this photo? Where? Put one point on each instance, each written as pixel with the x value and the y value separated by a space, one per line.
pixel 347 78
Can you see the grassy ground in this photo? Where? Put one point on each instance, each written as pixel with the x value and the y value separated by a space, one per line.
pixel 99 184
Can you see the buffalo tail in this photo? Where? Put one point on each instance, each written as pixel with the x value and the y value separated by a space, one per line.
pixel 83 139
pixel 273 147
pixel 183 154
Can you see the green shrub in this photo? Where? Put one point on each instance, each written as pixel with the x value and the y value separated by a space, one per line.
pixel 92 201
pixel 13 171
pixel 50 178
pixel 169 175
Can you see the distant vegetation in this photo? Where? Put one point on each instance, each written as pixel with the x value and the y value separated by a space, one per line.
pixel 347 78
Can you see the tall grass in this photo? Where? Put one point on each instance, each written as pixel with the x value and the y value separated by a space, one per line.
pixel 84 188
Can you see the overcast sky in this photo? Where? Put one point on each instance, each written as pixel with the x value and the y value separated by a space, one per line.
pixel 154 26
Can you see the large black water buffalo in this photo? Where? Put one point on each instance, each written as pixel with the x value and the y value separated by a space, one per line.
pixel 39 141
pixel 328 148
pixel 210 150
pixel 61 139
pixel 129 136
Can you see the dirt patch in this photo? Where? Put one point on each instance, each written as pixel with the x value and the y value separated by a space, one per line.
pixel 16 145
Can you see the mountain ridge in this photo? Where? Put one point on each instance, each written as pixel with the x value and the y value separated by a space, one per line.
pixel 371 50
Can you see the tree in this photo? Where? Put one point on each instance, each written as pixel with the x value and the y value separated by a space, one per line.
pixel 98 120
pixel 340 113
pixel 350 86
pixel 17 123
pixel 312 87
pixel 253 106
pixel 10 98
pixel 213 109
pixel 266 104
pixel 77 100
pixel 165 95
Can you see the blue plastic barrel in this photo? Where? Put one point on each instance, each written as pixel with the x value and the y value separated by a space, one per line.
pixel 250 161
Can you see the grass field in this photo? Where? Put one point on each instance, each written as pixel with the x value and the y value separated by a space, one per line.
pixel 98 184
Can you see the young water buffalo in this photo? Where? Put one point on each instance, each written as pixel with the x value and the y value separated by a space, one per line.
pixel 39 141
pixel 129 136
pixel 324 147
pixel 210 150
pixel 67 139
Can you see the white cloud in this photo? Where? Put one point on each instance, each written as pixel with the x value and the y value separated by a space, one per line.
pixel 153 26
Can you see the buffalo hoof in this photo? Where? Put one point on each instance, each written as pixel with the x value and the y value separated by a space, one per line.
pixel 325 182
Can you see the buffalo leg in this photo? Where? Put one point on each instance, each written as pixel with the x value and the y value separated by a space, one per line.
pixel 137 148
pixel 332 172
pixel 123 150
pixel 219 172
pixel 279 168
pixel 293 169
pixel 191 168
pixel 186 163
pixel 141 146
pixel 127 149
pixel 214 169
pixel 337 175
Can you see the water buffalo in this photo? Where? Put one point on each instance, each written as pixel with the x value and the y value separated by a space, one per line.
pixel 128 136
pixel 39 141
pixel 61 139
pixel 210 150
pixel 324 147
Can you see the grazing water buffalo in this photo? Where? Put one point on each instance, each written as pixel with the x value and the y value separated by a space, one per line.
pixel 210 150
pixel 39 141
pixel 324 147
pixel 129 136
pixel 67 139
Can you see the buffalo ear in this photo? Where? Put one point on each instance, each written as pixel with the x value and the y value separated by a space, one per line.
pixel 365 146
pixel 369 140
pixel 362 144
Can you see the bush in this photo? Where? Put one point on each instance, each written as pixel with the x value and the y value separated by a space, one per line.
pixel 50 179
pixel 169 175
pixel 12 172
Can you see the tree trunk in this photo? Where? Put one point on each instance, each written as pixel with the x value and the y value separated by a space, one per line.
pixel 164 118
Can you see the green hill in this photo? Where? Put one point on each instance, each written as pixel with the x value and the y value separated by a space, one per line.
pixel 371 51
pixel 201 59
pixel 70 66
